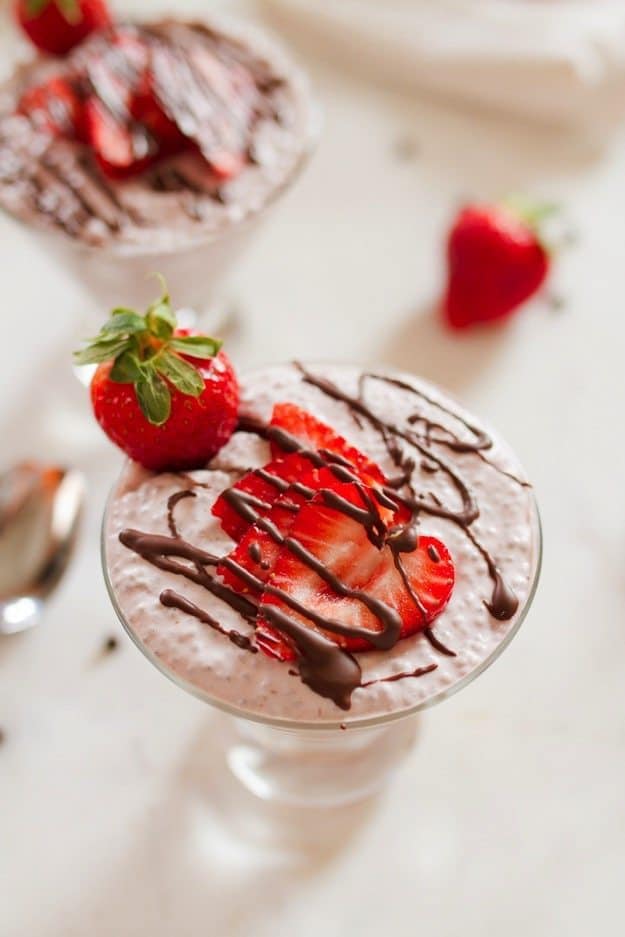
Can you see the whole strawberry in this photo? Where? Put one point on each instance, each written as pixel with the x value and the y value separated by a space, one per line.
pixel 496 261
pixel 56 26
pixel 168 398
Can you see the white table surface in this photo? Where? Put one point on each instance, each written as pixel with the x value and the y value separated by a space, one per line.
pixel 116 817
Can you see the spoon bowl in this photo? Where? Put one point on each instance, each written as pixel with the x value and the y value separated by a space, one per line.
pixel 40 509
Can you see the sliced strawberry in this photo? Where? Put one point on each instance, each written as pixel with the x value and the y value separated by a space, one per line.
pixel 212 105
pixel 313 434
pixel 123 146
pixel 146 109
pixel 262 491
pixel 258 550
pixel 54 107
pixel 260 545
pixel 340 543
pixel 119 151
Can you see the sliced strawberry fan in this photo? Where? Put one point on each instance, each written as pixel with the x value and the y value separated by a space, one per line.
pixel 295 498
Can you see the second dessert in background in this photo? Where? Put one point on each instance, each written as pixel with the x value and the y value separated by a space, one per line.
pixel 154 145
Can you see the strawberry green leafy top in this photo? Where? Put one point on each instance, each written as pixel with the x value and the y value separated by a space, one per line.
pixel 69 8
pixel 147 352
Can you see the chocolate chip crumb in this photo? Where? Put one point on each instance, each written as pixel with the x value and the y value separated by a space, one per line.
pixel 110 645
pixel 3 737
pixel 433 553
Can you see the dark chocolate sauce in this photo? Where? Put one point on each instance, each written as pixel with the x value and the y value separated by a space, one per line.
pixel 323 666
pixel 255 553
pixel 394 677
pixel 171 599
pixel 431 638
pixel 433 553
pixel 159 550
pixel 172 501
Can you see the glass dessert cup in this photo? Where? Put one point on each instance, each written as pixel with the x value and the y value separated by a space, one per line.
pixel 320 764
pixel 195 260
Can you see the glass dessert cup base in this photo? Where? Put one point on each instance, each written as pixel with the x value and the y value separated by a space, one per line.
pixel 317 768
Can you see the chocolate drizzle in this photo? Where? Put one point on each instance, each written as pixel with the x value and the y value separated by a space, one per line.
pixel 171 599
pixel 394 677
pixel 172 501
pixel 325 667
pixel 503 603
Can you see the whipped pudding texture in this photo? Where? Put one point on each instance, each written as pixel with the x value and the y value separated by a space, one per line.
pixel 225 85
pixel 469 492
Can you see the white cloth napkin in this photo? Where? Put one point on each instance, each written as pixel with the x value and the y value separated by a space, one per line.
pixel 561 60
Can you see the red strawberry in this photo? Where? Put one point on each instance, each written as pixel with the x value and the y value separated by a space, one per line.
pixel 119 152
pixel 146 110
pixel 55 107
pixel 341 544
pixel 122 146
pixel 56 26
pixel 313 434
pixel 169 399
pixel 213 109
pixel 496 261
pixel 257 551
pixel 257 485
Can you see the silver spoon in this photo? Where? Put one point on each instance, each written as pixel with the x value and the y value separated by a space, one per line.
pixel 40 507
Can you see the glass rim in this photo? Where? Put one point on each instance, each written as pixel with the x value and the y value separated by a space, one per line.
pixel 344 721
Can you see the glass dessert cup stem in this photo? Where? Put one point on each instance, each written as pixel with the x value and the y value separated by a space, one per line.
pixel 317 767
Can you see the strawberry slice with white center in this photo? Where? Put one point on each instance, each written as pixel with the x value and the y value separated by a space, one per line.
pixel 312 433
pixel 256 492
pixel 212 104
pixel 54 107
pixel 330 573
pixel 260 546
